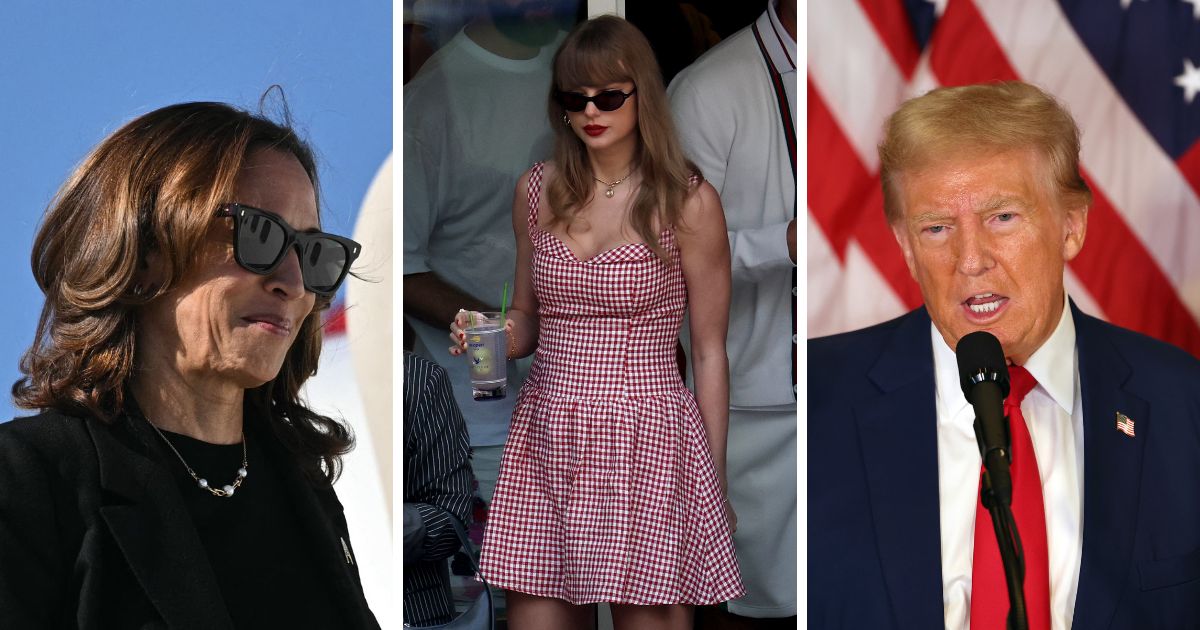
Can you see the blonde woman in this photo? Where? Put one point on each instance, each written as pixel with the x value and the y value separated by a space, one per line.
pixel 612 486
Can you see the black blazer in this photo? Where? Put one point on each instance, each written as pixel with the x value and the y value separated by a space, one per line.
pixel 94 532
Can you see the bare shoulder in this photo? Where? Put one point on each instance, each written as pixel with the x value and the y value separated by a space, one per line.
pixel 702 195
pixel 547 169
pixel 523 181
pixel 702 208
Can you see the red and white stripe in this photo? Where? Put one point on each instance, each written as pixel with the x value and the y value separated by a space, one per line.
pixel 1125 424
pixel 1136 268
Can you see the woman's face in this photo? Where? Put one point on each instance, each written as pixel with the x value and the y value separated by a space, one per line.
pixel 225 323
pixel 600 130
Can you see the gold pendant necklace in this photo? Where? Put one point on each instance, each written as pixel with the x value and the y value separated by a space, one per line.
pixel 610 192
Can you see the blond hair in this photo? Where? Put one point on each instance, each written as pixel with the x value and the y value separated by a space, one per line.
pixel 605 50
pixel 981 120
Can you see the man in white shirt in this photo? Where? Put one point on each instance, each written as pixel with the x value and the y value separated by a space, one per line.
pixel 474 120
pixel 734 109
pixel 983 191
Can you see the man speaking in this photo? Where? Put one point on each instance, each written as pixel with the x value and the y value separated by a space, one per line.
pixel 983 192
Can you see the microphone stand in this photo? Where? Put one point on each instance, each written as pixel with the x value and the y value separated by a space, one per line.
pixel 983 377
pixel 1012 554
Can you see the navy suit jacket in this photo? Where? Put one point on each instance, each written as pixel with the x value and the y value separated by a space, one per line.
pixel 874 545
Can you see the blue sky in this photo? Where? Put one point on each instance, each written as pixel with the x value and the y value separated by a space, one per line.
pixel 73 71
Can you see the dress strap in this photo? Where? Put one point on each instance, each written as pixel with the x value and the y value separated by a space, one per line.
pixel 535 193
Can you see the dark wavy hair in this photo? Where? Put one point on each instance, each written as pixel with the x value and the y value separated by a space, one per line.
pixel 153 186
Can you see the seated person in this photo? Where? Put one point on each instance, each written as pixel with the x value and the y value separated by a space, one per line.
pixel 437 483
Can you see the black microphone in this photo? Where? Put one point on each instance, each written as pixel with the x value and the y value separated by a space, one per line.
pixel 983 375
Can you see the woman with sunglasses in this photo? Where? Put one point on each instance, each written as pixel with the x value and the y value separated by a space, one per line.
pixel 174 477
pixel 612 486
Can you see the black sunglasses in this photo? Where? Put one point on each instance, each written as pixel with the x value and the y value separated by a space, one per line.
pixel 606 101
pixel 261 239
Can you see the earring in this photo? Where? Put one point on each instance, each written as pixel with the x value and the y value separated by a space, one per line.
pixel 566 121
pixel 138 289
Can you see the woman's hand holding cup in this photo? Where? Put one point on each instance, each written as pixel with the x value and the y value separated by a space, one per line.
pixel 458 328
pixel 482 337
pixel 462 321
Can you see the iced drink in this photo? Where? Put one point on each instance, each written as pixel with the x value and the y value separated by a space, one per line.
pixel 486 352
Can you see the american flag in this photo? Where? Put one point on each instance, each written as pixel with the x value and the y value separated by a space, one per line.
pixel 1124 424
pixel 1127 70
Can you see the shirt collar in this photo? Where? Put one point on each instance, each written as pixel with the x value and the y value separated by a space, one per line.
pixel 1052 365
pixel 781 47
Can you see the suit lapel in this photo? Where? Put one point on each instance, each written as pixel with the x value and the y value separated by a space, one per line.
pixel 154 531
pixel 1112 473
pixel 318 510
pixel 898 429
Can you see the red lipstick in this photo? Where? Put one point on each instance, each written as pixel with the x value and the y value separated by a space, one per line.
pixel 594 130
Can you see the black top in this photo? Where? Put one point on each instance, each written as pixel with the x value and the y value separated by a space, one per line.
pixel 255 544
pixel 99 530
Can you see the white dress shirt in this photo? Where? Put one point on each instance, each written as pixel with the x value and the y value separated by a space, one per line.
pixel 729 124
pixel 728 118
pixel 1053 411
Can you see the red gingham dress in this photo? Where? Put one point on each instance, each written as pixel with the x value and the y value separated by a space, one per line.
pixel 607 491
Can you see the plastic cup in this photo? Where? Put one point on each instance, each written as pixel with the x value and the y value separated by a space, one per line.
pixel 487 345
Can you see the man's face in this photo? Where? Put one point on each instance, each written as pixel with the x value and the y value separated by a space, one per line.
pixel 986 241
pixel 532 22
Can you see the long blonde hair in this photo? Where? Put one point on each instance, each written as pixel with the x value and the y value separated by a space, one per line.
pixel 605 50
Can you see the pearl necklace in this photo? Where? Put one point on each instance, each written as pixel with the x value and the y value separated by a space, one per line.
pixel 226 491
pixel 609 193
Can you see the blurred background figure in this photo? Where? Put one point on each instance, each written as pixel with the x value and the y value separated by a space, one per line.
pixel 438 485
pixel 735 109
pixel 474 120
pixel 427 25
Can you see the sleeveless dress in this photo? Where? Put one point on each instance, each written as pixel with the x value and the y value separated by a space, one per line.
pixel 607 491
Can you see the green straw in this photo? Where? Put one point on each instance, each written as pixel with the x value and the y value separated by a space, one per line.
pixel 503 303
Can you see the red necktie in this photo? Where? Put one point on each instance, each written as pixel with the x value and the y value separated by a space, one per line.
pixel 989 591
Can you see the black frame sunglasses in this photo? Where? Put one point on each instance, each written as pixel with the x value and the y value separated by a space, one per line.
pixel 261 239
pixel 606 101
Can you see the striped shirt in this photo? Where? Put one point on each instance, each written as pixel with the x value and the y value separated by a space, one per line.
pixel 437 480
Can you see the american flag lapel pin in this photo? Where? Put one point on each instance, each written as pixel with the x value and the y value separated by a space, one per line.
pixel 1125 424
